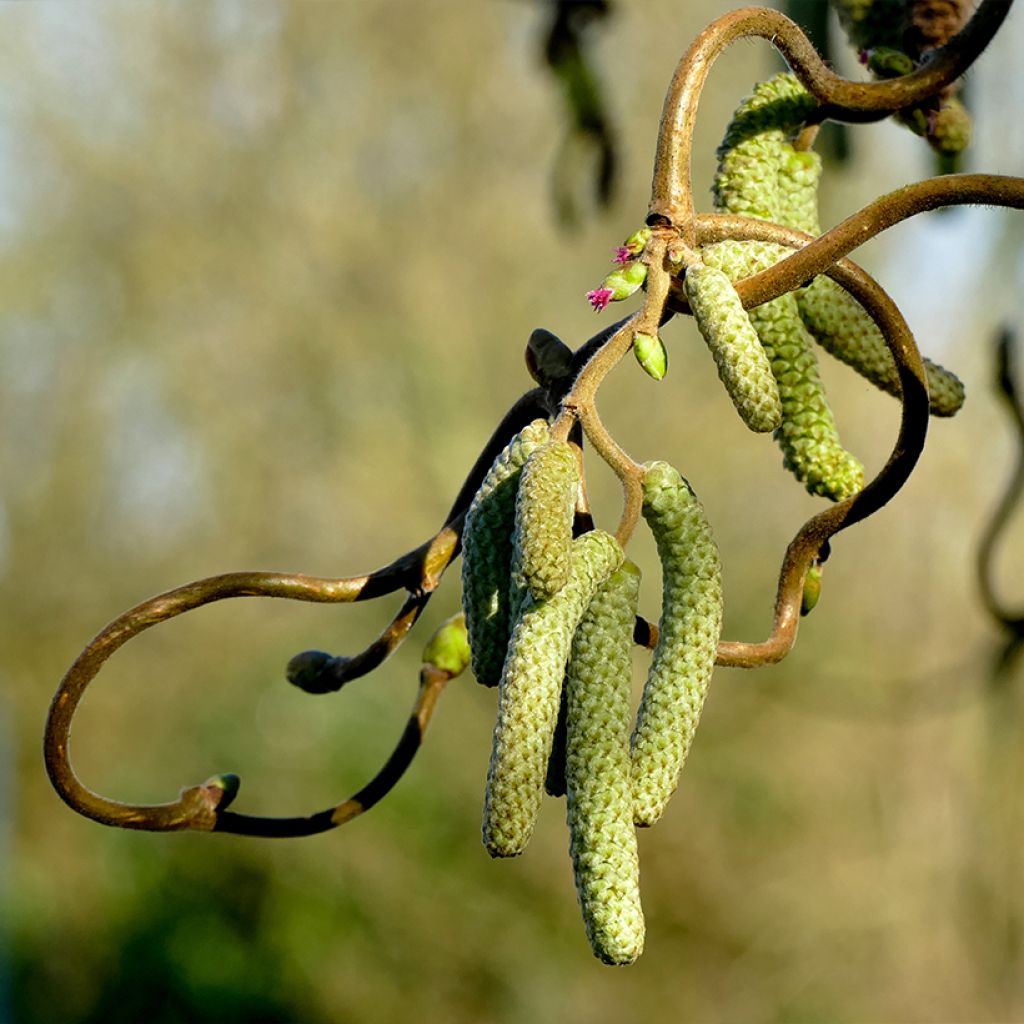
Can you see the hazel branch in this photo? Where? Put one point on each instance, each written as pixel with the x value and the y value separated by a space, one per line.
pixel 840 99
pixel 810 539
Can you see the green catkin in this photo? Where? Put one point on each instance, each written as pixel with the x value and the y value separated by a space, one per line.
pixel 599 808
pixel 487 554
pixel 529 695
pixel 836 321
pixel 742 364
pixel 755 144
pixel 841 326
pixel 545 504
pixel 807 436
pixel 799 174
pixel 691 621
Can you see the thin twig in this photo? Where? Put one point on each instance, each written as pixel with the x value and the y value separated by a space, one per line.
pixel 840 99
pixel 910 441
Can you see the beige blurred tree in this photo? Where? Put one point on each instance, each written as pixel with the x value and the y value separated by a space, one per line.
pixel 266 273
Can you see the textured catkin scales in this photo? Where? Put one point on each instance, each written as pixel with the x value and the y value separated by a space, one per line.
pixel 842 328
pixel 543 526
pixel 799 174
pixel 756 144
pixel 599 808
pixel 528 698
pixel 691 621
pixel 807 436
pixel 742 364
pixel 487 554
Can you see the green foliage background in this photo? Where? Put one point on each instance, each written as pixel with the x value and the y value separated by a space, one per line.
pixel 266 273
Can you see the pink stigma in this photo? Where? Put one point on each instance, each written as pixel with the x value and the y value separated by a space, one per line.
pixel 623 254
pixel 600 297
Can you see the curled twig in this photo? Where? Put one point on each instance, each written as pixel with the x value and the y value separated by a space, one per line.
pixel 418 572
pixel 1006 388
pixel 840 99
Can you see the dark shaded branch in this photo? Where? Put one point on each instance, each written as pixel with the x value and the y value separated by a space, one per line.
pixel 1006 388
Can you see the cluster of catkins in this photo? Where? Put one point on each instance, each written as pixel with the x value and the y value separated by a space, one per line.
pixel 551 621
pixel 765 356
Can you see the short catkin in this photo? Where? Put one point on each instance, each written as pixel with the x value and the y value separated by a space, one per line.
pixel 545 505
pixel 690 625
pixel 807 435
pixel 743 367
pixel 487 554
pixel 528 697
pixel 602 839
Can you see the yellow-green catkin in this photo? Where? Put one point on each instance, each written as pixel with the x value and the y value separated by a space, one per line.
pixel 743 366
pixel 755 145
pixel 807 435
pixel 842 327
pixel 528 700
pixel 690 625
pixel 487 554
pixel 599 807
pixel 799 175
pixel 545 506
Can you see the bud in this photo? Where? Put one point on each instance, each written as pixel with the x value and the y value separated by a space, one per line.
pixel 812 589
pixel 448 648
pixel 309 671
pixel 651 355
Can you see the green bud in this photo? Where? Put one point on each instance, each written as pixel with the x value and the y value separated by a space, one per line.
pixel 812 589
pixel 448 648
pixel 690 624
pixel 625 280
pixel 885 62
pixel 529 696
pixel 651 355
pixel 487 554
pixel 743 366
pixel 545 506
pixel 949 129
pixel 637 242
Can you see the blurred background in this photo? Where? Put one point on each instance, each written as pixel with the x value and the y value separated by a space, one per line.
pixel 267 272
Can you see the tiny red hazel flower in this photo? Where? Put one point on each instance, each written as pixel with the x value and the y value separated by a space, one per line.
pixel 599 298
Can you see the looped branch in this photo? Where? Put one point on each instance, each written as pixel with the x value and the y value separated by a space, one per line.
pixel 840 99
pixel 817 531
pixel 202 807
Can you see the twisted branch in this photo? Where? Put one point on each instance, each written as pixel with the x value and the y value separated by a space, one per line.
pixel 840 99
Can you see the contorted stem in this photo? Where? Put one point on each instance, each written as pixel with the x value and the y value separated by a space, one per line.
pixel 910 441
pixel 432 682
pixel 840 99
pixel 194 808
pixel 1006 388
pixel 602 353
pixel 816 257
pixel 419 572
